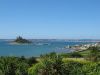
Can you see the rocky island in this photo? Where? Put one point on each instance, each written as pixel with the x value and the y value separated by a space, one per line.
pixel 20 40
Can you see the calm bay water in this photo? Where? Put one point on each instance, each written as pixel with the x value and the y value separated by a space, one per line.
pixel 34 49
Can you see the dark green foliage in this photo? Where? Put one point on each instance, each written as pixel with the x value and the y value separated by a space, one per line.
pixel 80 68
pixel 94 54
pixel 50 55
pixel 72 68
pixel 49 65
pixel 75 55
pixel 57 67
pixel 14 65
pixel 21 40
pixel 31 60
pixel 72 55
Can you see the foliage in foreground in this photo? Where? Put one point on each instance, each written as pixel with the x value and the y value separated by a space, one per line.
pixel 54 65
pixel 15 65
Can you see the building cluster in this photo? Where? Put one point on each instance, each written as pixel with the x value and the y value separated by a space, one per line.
pixel 83 46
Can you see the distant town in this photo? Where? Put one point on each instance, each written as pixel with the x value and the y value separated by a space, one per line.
pixel 83 46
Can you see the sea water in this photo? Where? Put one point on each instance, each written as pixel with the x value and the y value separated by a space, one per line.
pixel 35 49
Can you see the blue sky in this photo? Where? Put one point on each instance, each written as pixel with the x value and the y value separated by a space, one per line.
pixel 62 19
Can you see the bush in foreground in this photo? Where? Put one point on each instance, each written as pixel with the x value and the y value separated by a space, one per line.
pixel 55 66
pixel 15 65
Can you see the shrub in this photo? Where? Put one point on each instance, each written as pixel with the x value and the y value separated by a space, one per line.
pixel 56 66
pixel 94 54
pixel 75 55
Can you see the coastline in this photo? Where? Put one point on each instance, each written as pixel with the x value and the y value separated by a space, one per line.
pixel 15 43
pixel 82 47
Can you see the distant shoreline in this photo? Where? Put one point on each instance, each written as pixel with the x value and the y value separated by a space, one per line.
pixel 15 43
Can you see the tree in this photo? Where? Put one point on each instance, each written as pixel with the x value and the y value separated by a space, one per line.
pixel 75 55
